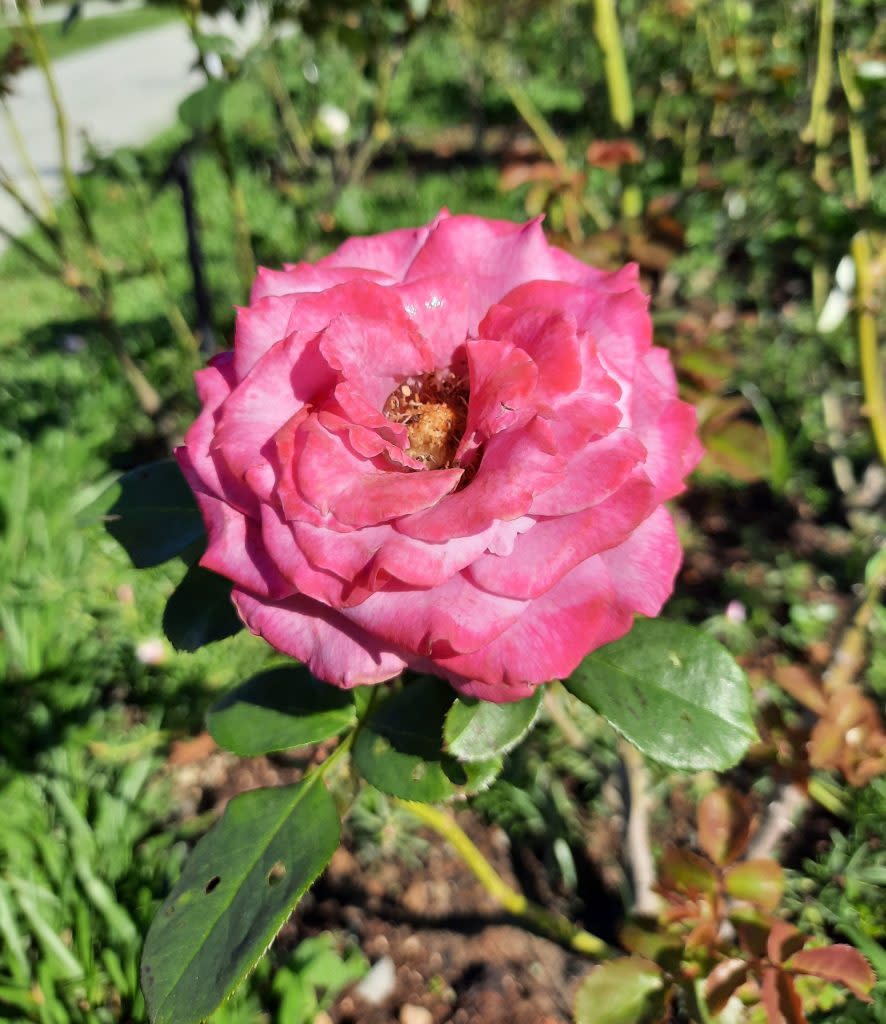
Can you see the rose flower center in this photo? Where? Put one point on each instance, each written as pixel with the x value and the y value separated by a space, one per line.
pixel 434 410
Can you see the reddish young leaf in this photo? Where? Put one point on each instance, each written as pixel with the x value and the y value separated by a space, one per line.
pixel 686 872
pixel 840 963
pixel 725 820
pixel 753 930
pixel 723 982
pixel 760 882
pixel 784 940
pixel 780 999
pixel 802 686
pixel 702 936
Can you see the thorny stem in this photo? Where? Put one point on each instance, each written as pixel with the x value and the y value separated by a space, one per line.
pixel 608 34
pixel 555 926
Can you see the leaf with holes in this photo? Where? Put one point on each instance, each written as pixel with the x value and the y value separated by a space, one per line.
pixel 200 611
pixel 674 692
pixel 476 730
pixel 279 709
pixel 628 991
pixel 400 748
pixel 239 886
pixel 155 516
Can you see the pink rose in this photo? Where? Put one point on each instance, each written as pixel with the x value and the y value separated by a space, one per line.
pixel 443 448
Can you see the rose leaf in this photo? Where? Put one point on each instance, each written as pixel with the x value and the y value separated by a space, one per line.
pixel 399 749
pixel 155 516
pixel 674 692
pixel 279 709
pixel 238 887
pixel 200 611
pixel 476 730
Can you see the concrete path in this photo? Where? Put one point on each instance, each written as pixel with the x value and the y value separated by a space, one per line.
pixel 58 12
pixel 119 93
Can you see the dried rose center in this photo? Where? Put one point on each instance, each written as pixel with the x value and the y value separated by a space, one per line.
pixel 434 410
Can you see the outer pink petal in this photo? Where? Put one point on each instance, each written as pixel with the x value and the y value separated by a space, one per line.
pixel 553 547
pixel 456 616
pixel 290 374
pixel 643 568
pixel 235 550
pixel 259 327
pixel 214 385
pixel 334 649
pixel 391 252
pixel 281 546
pixel 377 556
pixel 548 640
pixel 298 278
pixel 592 475
pixel 494 256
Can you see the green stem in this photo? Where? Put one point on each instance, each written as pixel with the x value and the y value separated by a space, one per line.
pixel 298 137
pixel 24 155
pixel 608 34
pixel 239 212
pixel 858 147
pixel 820 125
pixel 515 903
pixel 38 259
pixel 871 368
pixel 144 392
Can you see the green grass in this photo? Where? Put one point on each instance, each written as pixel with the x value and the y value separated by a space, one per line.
pixel 88 31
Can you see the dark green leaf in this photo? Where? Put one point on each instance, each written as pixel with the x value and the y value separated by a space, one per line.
pixel 200 611
pixel 277 710
pixel 476 730
pixel 674 692
pixel 629 991
pixel 155 516
pixel 238 887
pixel 400 748
pixel 201 110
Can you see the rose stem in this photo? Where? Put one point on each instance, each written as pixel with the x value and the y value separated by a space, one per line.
pixel 515 903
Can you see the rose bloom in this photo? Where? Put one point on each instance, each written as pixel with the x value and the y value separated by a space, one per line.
pixel 446 449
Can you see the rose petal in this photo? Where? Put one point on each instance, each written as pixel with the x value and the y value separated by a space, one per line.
pixel 553 547
pixel 456 616
pixel 334 649
pixel 547 641
pixel 644 566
